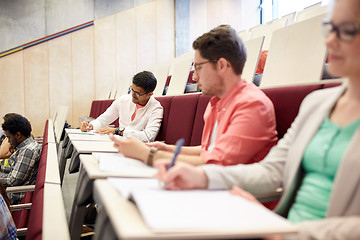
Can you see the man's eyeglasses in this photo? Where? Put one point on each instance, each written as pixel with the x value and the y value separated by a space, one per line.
pixel 344 31
pixel 137 94
pixel 196 65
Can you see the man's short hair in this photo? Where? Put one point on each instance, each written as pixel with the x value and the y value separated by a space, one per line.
pixel 9 115
pixel 146 80
pixel 222 42
pixel 17 123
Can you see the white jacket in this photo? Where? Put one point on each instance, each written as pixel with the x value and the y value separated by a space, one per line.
pixel 147 121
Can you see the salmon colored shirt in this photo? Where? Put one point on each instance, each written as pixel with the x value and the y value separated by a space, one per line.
pixel 246 128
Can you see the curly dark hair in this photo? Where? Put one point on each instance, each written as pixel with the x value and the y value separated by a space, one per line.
pixel 146 80
pixel 17 123
pixel 222 42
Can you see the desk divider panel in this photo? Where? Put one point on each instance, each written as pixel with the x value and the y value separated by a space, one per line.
pixel 296 54
pixel 179 74
pixel 253 49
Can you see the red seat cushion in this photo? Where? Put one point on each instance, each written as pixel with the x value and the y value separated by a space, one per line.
pixel 199 120
pixel 105 104
pixel 181 118
pixel 165 102
pixel 287 102
pixel 95 108
pixel 21 217
pixel 36 216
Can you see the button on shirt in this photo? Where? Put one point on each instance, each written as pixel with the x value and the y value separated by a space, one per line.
pixel 321 161
pixel 246 128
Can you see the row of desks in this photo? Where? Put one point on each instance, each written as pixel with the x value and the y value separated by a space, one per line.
pixel 118 218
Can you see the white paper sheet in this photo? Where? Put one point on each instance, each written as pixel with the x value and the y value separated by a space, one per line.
pixel 196 210
pixel 128 167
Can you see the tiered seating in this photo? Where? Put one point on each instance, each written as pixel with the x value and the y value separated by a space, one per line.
pixel 42 222
pixel 183 115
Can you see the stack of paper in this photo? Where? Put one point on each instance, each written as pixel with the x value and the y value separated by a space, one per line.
pixel 123 166
pixel 198 211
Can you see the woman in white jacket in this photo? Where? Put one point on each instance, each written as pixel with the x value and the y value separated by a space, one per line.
pixel 317 163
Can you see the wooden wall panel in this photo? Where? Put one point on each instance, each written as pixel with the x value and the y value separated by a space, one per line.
pixel 146 36
pixel 36 75
pixel 198 19
pixel 105 56
pixel 125 49
pixel 83 72
pixel 12 84
pixel 60 75
pixel 165 25
pixel 215 14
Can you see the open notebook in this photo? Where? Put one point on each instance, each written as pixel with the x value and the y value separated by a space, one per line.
pixel 198 211
pixel 123 166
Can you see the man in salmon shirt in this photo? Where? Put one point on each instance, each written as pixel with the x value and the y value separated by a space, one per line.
pixel 240 124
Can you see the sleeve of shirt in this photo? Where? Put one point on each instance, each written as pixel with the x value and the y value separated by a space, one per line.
pixel 251 129
pixel 5 169
pixel 330 228
pixel 149 133
pixel 110 115
pixel 20 169
pixel 7 226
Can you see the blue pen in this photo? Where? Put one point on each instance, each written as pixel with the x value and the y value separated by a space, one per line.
pixel 179 144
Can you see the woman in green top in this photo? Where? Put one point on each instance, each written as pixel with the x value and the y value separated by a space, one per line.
pixel 317 163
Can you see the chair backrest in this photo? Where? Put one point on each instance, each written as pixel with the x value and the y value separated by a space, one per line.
pixel 181 118
pixel 59 123
pixel 310 12
pixel 245 35
pixel 36 216
pixel 253 49
pixel 179 72
pixel 161 73
pixel 267 31
pixel 286 102
pixel 165 102
pixel 198 126
pixel 95 109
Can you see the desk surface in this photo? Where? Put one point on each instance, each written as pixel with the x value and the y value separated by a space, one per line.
pixel 88 137
pixel 91 166
pixel 93 146
pixel 129 224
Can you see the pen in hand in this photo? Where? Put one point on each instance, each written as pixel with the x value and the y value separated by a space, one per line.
pixel 179 144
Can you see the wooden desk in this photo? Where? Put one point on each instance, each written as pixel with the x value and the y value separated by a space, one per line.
pixel 67 148
pixel 127 223
pixel 89 171
pixel 54 223
pixel 87 147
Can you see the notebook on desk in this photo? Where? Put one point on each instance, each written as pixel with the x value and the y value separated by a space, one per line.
pixel 123 166
pixel 199 211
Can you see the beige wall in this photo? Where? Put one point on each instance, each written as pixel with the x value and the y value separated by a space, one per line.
pixel 207 14
pixel 82 66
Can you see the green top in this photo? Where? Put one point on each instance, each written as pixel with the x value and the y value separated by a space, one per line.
pixel 320 162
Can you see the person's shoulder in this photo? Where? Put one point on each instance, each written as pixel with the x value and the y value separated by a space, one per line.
pixel 155 103
pixel 253 94
pixel 325 92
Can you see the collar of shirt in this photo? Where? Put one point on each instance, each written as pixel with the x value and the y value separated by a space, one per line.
pixel 221 103
pixel 24 143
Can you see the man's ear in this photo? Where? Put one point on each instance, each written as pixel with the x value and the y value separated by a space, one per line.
pixel 150 94
pixel 223 63
pixel 18 135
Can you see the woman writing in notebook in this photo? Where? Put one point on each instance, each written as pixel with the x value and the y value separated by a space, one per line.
pixel 317 163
